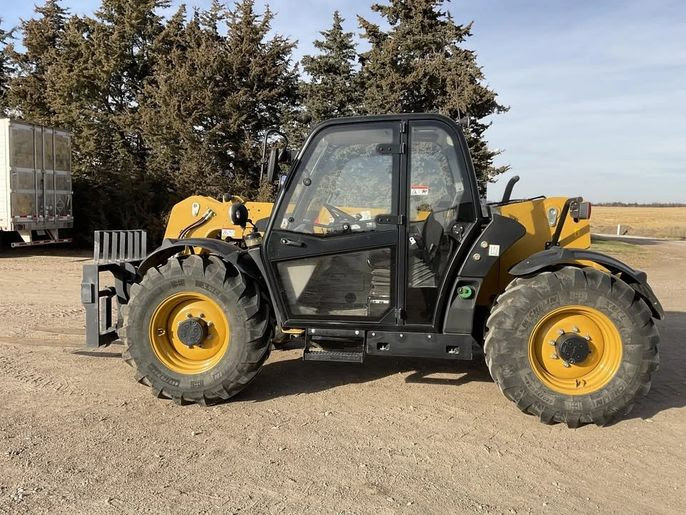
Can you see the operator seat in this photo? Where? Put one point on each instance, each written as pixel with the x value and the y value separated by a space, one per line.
pixel 422 265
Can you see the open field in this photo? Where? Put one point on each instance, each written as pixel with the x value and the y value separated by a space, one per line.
pixel 78 434
pixel 637 255
pixel 660 222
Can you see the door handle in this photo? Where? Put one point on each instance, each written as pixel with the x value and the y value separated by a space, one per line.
pixel 292 243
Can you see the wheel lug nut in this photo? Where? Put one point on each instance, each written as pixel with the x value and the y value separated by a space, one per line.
pixel 554 356
pixel 560 332
pixel 575 329
pixel 189 315
pixel 202 315
pixel 552 342
pixel 588 337
pixel 565 364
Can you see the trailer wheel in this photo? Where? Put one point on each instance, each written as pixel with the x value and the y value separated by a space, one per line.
pixel 573 345
pixel 196 330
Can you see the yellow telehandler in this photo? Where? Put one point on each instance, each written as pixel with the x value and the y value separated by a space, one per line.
pixel 379 245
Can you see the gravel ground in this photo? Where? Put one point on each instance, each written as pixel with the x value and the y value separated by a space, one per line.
pixel 78 434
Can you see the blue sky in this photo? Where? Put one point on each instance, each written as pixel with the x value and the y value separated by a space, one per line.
pixel 597 90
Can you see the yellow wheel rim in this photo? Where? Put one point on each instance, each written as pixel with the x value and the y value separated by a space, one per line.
pixel 595 370
pixel 167 344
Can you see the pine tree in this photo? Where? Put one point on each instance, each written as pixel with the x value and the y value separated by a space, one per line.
pixel 211 18
pixel 211 97
pixel 5 68
pixel 95 90
pixel 42 40
pixel 333 89
pixel 420 65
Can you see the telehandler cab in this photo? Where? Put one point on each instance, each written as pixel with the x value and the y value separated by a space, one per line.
pixel 378 245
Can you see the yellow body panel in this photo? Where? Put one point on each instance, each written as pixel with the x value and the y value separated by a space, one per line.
pixel 193 208
pixel 533 215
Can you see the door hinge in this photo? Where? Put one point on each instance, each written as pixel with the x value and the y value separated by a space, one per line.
pixel 389 219
pixel 400 314
pixel 389 148
pixel 403 127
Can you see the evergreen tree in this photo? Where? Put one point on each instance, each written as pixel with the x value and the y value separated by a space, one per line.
pixel 211 97
pixel 95 90
pixel 4 67
pixel 42 40
pixel 420 65
pixel 333 89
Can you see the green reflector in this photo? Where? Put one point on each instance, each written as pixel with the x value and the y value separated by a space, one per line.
pixel 465 292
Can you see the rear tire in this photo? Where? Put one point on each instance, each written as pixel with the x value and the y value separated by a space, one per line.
pixel 525 362
pixel 196 374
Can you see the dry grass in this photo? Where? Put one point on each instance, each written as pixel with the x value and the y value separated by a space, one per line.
pixel 635 255
pixel 661 222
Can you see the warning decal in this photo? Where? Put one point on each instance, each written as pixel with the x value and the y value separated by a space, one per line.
pixel 418 190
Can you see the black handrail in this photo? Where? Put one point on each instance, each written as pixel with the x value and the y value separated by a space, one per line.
pixel 508 189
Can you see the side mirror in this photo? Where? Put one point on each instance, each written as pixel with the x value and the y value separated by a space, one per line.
pixel 270 172
pixel 272 164
pixel 238 214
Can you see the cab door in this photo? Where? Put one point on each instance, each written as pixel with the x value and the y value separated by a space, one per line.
pixel 332 248
pixel 441 218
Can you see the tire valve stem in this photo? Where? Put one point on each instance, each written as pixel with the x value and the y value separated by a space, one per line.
pixel 161 332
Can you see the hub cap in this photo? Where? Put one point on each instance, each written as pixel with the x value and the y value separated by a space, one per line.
pixel 572 348
pixel 189 333
pixel 575 350
pixel 192 331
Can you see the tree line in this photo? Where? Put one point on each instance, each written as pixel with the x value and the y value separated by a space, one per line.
pixel 640 204
pixel 162 107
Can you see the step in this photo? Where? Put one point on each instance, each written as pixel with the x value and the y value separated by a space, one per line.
pixel 333 355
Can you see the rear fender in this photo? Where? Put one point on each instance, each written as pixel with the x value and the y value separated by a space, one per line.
pixel 557 256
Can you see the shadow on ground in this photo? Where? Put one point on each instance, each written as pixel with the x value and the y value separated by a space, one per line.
pixel 58 250
pixel 295 376
pixel 668 389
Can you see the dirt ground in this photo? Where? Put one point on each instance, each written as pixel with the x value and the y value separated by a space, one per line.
pixel 78 434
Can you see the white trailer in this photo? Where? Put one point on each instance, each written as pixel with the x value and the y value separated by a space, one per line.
pixel 35 183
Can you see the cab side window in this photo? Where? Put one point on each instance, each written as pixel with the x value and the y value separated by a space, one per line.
pixel 440 196
pixel 342 184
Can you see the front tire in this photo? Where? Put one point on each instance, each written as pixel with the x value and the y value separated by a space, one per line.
pixel 196 330
pixel 573 345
